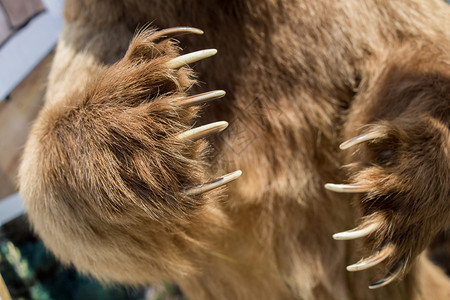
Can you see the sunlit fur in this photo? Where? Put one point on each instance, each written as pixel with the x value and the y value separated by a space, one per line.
pixel 103 174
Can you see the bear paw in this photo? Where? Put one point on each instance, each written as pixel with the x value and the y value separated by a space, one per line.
pixel 149 46
pixel 137 124
pixel 402 168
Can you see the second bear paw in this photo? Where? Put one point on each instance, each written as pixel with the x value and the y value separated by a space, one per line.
pixel 402 170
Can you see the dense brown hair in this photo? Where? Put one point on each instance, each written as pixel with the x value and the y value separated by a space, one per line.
pixel 104 175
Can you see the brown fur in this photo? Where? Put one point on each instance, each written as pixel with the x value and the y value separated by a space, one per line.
pixel 103 174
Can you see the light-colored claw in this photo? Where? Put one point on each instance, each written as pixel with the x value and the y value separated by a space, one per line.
pixel 182 60
pixel 200 98
pixel 360 139
pixel 202 131
pixel 173 32
pixel 356 233
pixel 346 188
pixel 387 279
pixel 371 260
pixel 214 184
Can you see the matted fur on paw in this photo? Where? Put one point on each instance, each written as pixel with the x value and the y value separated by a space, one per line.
pixel 124 152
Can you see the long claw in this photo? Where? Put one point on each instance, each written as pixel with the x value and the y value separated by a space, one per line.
pixel 202 131
pixel 214 184
pixel 200 98
pixel 355 233
pixel 371 260
pixel 182 60
pixel 359 139
pixel 346 188
pixel 173 32
pixel 387 279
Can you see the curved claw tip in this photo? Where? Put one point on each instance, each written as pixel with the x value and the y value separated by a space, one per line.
pixel 355 233
pixel 200 98
pixel 371 260
pixel 179 30
pixel 346 188
pixel 235 175
pixel 202 131
pixel 169 33
pixel 186 59
pixel 387 279
pixel 214 184
pixel 360 139
pixel 193 30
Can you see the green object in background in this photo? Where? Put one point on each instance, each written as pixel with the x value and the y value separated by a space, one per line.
pixel 13 257
pixel 31 272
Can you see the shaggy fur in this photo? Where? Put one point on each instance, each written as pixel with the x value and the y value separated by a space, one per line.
pixel 103 174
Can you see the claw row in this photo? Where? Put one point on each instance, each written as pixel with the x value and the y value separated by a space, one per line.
pixel 201 131
pixel 362 231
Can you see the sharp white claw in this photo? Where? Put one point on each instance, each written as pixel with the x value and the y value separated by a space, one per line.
pixel 371 260
pixel 202 131
pixel 356 233
pixel 182 60
pixel 346 188
pixel 387 279
pixel 173 32
pixel 200 98
pixel 360 139
pixel 214 184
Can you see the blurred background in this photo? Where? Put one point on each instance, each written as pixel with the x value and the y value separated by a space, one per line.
pixel 29 31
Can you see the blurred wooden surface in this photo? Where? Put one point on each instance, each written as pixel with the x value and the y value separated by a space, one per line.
pixel 16 116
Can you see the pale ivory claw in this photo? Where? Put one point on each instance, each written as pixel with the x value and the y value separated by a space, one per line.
pixel 346 188
pixel 355 233
pixel 202 131
pixel 173 32
pixel 387 279
pixel 185 59
pixel 371 260
pixel 359 139
pixel 200 98
pixel 214 184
